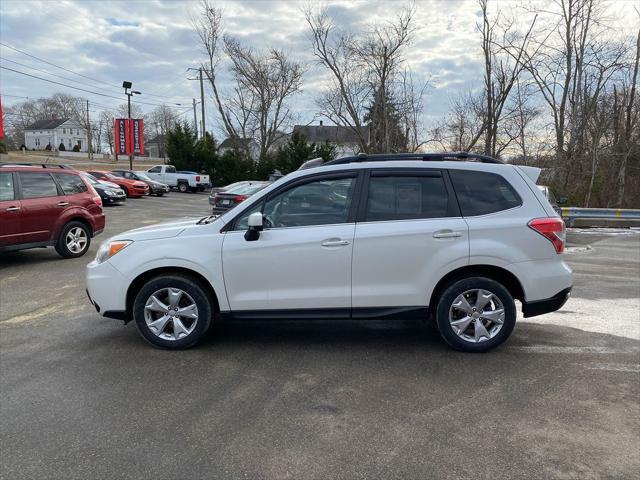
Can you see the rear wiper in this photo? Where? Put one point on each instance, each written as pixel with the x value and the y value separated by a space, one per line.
pixel 207 219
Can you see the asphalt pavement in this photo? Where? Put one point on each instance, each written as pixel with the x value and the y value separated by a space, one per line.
pixel 85 397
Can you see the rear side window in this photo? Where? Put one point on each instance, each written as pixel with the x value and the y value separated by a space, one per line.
pixel 37 185
pixel 170 169
pixel 406 197
pixel 480 193
pixel 71 184
pixel 6 186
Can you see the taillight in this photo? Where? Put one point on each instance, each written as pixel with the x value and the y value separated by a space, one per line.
pixel 551 228
pixel 197 178
pixel 94 195
pixel 240 198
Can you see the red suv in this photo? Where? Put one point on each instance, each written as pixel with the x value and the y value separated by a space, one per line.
pixel 44 206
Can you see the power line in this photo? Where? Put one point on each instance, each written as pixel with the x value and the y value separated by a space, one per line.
pixel 78 88
pixel 73 72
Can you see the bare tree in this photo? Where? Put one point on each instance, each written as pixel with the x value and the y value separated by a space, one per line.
pixel 264 81
pixel 370 92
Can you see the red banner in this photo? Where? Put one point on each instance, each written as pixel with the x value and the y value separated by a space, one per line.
pixel 137 132
pixel 121 136
pixel 129 137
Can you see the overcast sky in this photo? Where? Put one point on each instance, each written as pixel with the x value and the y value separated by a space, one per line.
pixel 152 43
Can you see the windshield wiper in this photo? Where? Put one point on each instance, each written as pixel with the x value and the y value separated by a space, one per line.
pixel 207 219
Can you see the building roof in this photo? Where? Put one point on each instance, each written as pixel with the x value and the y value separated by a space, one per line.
pixel 236 142
pixel 48 124
pixel 328 133
pixel 158 139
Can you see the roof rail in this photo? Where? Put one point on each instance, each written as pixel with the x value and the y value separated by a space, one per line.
pixel 43 165
pixel 424 157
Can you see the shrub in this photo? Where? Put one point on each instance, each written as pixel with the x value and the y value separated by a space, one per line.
pixel 61 147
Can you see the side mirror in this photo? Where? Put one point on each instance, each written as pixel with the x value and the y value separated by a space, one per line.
pixel 562 200
pixel 255 227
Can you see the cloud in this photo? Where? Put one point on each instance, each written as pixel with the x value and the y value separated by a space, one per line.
pixel 122 23
pixel 152 44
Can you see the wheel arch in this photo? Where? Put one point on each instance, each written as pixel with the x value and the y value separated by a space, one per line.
pixel 144 277
pixel 499 274
pixel 72 218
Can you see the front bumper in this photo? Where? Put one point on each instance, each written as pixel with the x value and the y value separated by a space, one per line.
pixel 540 307
pixel 107 289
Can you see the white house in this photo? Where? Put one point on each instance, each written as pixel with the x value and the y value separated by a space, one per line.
pixel 54 132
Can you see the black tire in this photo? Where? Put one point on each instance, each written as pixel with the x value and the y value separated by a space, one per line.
pixel 160 194
pixel 126 191
pixel 188 285
pixel 63 248
pixel 183 187
pixel 461 286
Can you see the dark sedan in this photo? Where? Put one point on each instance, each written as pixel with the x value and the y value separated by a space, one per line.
pixel 110 193
pixel 155 188
pixel 223 201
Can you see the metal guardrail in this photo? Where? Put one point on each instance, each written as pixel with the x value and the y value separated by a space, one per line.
pixel 596 217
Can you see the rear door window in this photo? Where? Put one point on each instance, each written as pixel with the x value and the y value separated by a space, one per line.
pixel 400 197
pixel 37 185
pixel 6 186
pixel 480 193
pixel 70 184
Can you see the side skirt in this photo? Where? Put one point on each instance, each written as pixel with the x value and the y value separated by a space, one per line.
pixel 368 313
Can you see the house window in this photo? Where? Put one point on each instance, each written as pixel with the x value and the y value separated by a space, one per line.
pixel 64 130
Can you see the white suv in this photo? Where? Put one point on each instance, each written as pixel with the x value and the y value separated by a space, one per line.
pixel 452 237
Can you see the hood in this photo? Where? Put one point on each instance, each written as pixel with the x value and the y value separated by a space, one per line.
pixel 160 230
pixel 111 185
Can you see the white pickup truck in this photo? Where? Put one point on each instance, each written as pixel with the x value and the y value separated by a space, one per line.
pixel 183 181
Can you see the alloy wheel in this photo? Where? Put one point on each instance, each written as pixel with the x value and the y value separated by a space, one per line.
pixel 76 240
pixel 171 313
pixel 476 315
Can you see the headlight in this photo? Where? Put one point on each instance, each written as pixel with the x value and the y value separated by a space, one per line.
pixel 109 248
pixel 109 193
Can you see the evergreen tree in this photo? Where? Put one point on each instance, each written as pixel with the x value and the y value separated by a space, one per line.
pixel 385 125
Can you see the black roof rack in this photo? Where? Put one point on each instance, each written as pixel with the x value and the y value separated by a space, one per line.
pixel 424 157
pixel 43 165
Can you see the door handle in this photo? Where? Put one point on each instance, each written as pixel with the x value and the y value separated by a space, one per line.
pixel 63 204
pixel 335 242
pixel 13 209
pixel 447 234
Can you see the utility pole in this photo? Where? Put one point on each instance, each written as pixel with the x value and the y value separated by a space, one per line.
pixel 195 118
pixel 88 133
pixel 204 129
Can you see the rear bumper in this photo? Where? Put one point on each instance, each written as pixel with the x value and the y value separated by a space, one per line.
pixel 540 307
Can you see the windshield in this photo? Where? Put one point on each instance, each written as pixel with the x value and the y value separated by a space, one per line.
pixel 92 180
pixel 247 189
pixel 111 176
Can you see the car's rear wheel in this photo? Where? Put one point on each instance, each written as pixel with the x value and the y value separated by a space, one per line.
pixel 183 187
pixel 74 240
pixel 172 312
pixel 475 314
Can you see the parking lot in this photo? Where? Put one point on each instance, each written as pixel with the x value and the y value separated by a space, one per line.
pixel 85 397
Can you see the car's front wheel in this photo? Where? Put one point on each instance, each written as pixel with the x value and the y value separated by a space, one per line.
pixel 172 311
pixel 475 314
